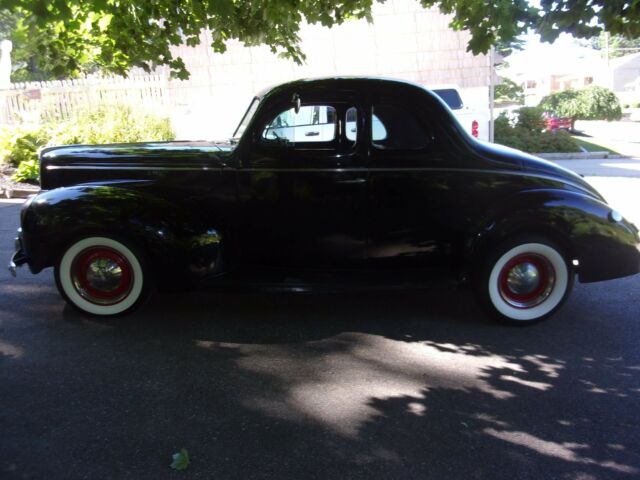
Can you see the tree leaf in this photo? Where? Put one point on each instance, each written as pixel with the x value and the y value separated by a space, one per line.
pixel 142 32
pixel 180 460
pixel 104 22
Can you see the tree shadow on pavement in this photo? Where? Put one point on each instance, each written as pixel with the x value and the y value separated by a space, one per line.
pixel 392 385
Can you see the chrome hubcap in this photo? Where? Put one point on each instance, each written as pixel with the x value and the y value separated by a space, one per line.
pixel 102 275
pixel 523 278
pixel 526 280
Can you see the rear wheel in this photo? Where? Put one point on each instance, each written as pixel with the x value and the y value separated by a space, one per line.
pixel 525 280
pixel 103 276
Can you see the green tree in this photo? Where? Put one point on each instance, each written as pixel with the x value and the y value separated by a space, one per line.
pixel 64 36
pixel 509 91
pixel 592 103
pixel 619 45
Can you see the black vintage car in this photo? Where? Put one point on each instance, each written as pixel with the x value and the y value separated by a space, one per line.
pixel 335 182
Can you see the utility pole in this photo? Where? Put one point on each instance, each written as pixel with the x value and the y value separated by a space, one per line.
pixel 607 57
pixel 491 92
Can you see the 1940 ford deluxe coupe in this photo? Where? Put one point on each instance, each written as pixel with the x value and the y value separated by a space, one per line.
pixel 342 182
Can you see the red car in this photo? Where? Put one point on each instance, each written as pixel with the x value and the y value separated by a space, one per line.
pixel 554 123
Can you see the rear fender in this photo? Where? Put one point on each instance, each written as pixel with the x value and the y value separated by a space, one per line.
pixel 580 224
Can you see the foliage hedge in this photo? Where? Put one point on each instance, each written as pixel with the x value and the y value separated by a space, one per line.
pixel 102 124
pixel 591 103
pixel 525 131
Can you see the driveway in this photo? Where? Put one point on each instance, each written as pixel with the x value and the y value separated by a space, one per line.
pixel 622 137
pixel 346 386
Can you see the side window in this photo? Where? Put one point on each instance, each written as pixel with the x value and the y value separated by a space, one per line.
pixel 351 124
pixel 396 128
pixel 312 123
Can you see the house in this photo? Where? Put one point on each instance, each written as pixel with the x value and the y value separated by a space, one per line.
pixel 546 68
pixel 624 78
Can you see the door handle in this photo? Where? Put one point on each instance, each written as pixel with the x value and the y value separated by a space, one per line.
pixel 352 181
pixel 312 134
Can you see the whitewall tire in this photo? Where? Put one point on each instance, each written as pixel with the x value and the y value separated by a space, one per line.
pixel 525 281
pixel 102 276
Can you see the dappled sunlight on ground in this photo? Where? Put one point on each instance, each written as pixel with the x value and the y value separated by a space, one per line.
pixel 355 385
pixel 8 350
pixel 360 385
pixel 566 451
pixel 333 380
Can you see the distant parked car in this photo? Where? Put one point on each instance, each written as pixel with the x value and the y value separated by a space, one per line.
pixel 554 123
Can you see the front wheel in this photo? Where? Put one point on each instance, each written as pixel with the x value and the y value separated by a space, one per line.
pixel 524 280
pixel 102 276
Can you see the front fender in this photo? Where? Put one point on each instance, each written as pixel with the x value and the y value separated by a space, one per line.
pixel 581 224
pixel 176 242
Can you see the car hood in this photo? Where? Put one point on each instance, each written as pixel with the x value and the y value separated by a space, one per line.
pixel 535 165
pixel 142 151
pixel 72 164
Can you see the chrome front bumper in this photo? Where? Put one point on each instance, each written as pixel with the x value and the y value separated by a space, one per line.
pixel 19 257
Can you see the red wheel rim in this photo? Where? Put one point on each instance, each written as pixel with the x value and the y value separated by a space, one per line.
pixel 102 275
pixel 526 280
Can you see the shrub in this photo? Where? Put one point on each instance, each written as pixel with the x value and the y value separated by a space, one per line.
pixel 112 123
pixel 28 171
pixel 592 103
pixel 531 119
pixel 101 124
pixel 524 132
pixel 21 144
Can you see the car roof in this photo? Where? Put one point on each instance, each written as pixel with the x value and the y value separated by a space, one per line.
pixel 342 82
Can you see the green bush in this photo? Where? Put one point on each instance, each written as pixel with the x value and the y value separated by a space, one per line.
pixel 112 124
pixel 531 119
pixel 525 133
pixel 102 124
pixel 28 171
pixel 591 103
pixel 21 144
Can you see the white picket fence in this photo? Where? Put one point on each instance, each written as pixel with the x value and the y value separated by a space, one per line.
pixel 35 102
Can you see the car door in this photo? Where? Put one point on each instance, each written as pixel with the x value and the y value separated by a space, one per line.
pixel 302 187
pixel 408 186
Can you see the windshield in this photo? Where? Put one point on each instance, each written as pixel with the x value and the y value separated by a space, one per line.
pixel 247 118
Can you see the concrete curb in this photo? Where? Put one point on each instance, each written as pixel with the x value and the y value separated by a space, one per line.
pixel 579 155
pixel 8 192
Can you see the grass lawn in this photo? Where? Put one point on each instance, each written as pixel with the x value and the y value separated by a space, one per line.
pixel 592 147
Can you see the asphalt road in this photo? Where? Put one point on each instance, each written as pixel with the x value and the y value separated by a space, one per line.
pixel 346 386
